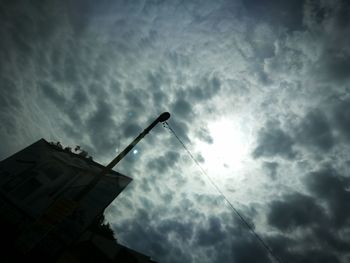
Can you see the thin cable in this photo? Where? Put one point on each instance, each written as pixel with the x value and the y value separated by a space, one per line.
pixel 245 222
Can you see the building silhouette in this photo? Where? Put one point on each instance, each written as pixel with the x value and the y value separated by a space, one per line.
pixel 41 217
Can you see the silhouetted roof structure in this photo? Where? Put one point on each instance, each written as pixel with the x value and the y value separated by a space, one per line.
pixel 41 218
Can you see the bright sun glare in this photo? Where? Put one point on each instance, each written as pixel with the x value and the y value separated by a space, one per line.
pixel 228 151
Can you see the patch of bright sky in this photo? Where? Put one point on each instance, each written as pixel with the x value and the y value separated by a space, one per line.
pixel 230 150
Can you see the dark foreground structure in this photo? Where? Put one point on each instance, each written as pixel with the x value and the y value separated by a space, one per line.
pixel 44 216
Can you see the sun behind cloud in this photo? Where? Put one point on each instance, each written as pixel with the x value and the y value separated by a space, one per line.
pixel 229 150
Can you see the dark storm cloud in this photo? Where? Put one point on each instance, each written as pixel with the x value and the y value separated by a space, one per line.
pixel 182 108
pixel 27 24
pixel 338 11
pixel 342 117
pixel 184 234
pixel 9 95
pixel 163 163
pixel 315 131
pixel 309 255
pixel 329 236
pixel 246 250
pixel 56 94
pixel 18 19
pixel 149 237
pixel 278 13
pixel 29 31
pixel 70 70
pixel 183 230
pixel 181 128
pixel 334 66
pixel 10 103
pixel 333 189
pixel 136 99
pixel 323 226
pixel 80 97
pixel 210 234
pixel 315 256
pixel 73 107
pixel 207 89
pixel 273 141
pixel 172 236
pixel 311 250
pixel 343 19
pixel 79 14
pixel 295 210
pixel 52 94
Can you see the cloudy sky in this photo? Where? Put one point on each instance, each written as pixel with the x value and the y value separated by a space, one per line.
pixel 258 91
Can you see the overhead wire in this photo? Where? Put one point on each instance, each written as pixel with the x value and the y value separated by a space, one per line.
pixel 244 221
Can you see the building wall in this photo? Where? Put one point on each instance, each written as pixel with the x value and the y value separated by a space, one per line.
pixel 38 188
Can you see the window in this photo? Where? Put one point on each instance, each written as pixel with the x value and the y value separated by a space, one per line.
pixel 18 179
pixel 27 188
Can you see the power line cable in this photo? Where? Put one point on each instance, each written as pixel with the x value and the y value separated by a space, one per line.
pixel 245 222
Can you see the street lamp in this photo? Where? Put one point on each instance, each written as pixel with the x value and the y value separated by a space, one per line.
pixel 161 118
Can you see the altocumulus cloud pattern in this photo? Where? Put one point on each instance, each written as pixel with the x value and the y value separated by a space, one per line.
pixel 269 78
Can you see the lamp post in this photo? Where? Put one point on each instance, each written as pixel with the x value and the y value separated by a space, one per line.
pixel 161 118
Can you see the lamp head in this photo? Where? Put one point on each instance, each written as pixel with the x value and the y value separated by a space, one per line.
pixel 164 117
